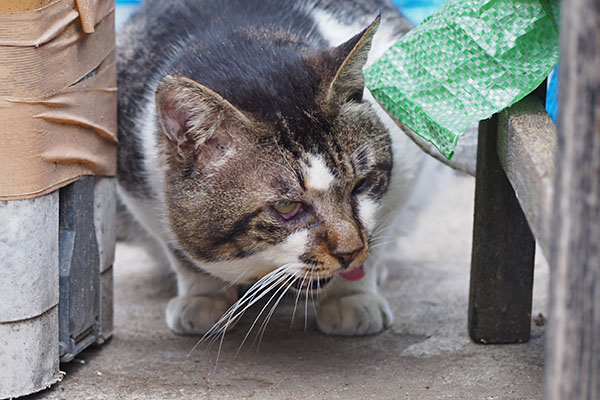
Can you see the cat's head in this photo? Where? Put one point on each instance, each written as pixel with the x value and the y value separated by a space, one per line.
pixel 287 175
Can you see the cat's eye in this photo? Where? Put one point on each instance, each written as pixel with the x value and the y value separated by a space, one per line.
pixel 360 186
pixel 287 209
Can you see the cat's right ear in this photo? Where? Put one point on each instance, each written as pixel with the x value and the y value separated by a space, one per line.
pixel 198 123
pixel 350 58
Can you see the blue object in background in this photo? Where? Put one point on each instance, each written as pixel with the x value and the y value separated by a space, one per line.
pixel 122 11
pixel 415 10
pixel 552 94
pixel 418 10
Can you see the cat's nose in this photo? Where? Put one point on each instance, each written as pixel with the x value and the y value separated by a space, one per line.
pixel 346 258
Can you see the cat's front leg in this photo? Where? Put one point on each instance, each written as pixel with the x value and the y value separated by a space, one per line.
pixel 201 299
pixel 354 308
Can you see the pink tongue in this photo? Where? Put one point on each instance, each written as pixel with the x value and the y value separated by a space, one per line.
pixel 354 274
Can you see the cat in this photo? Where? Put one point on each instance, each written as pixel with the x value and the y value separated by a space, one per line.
pixel 251 153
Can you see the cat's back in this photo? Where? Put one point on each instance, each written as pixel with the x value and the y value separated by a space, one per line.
pixel 161 29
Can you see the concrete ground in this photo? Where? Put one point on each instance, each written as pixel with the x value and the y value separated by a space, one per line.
pixel 426 354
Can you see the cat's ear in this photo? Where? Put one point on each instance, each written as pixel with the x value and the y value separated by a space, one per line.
pixel 350 57
pixel 198 123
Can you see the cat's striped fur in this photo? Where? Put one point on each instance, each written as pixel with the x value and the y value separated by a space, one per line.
pixel 229 108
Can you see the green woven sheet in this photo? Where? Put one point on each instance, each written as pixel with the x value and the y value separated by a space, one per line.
pixel 466 62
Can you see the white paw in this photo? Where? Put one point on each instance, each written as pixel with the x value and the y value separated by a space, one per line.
pixel 192 315
pixel 354 315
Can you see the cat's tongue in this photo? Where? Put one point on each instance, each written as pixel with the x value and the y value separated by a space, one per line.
pixel 354 274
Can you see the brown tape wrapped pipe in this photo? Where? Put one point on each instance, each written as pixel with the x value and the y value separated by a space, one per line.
pixel 57 96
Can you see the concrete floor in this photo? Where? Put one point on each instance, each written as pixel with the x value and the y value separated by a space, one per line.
pixel 425 355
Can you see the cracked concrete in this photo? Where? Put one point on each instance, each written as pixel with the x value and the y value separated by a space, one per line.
pixel 425 355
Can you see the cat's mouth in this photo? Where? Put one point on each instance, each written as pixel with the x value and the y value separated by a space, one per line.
pixel 311 284
pixel 354 274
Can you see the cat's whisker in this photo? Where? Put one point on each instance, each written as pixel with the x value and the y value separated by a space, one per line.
pixel 382 244
pixel 236 280
pixel 289 282
pixel 292 277
pixel 383 227
pixel 380 233
pixel 306 303
pixel 383 237
pixel 248 296
pixel 318 288
pixel 271 285
pixel 380 241
pixel 263 327
pixel 296 303
pixel 312 295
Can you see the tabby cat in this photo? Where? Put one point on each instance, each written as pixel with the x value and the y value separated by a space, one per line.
pixel 251 154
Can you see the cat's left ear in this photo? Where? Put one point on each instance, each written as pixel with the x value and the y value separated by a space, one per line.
pixel 348 82
pixel 198 124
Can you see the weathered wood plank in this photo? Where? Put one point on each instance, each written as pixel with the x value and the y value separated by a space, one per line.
pixel 526 148
pixel 503 252
pixel 573 341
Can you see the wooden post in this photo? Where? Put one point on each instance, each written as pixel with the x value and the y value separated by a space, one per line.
pixel 573 341
pixel 503 252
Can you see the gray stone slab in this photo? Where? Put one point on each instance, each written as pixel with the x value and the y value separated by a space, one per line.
pixel 28 354
pixel 106 305
pixel 28 257
pixel 105 209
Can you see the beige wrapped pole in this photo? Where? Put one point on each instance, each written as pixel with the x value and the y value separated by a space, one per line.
pixel 57 98
pixel 57 124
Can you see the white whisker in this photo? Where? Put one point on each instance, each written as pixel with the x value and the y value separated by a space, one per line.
pixel 263 327
pixel 312 295
pixel 382 244
pixel 296 303
pixel 271 284
pixel 318 288
pixel 306 305
pixel 230 315
pixel 291 277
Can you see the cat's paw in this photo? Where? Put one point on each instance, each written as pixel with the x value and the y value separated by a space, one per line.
pixel 193 315
pixel 354 315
